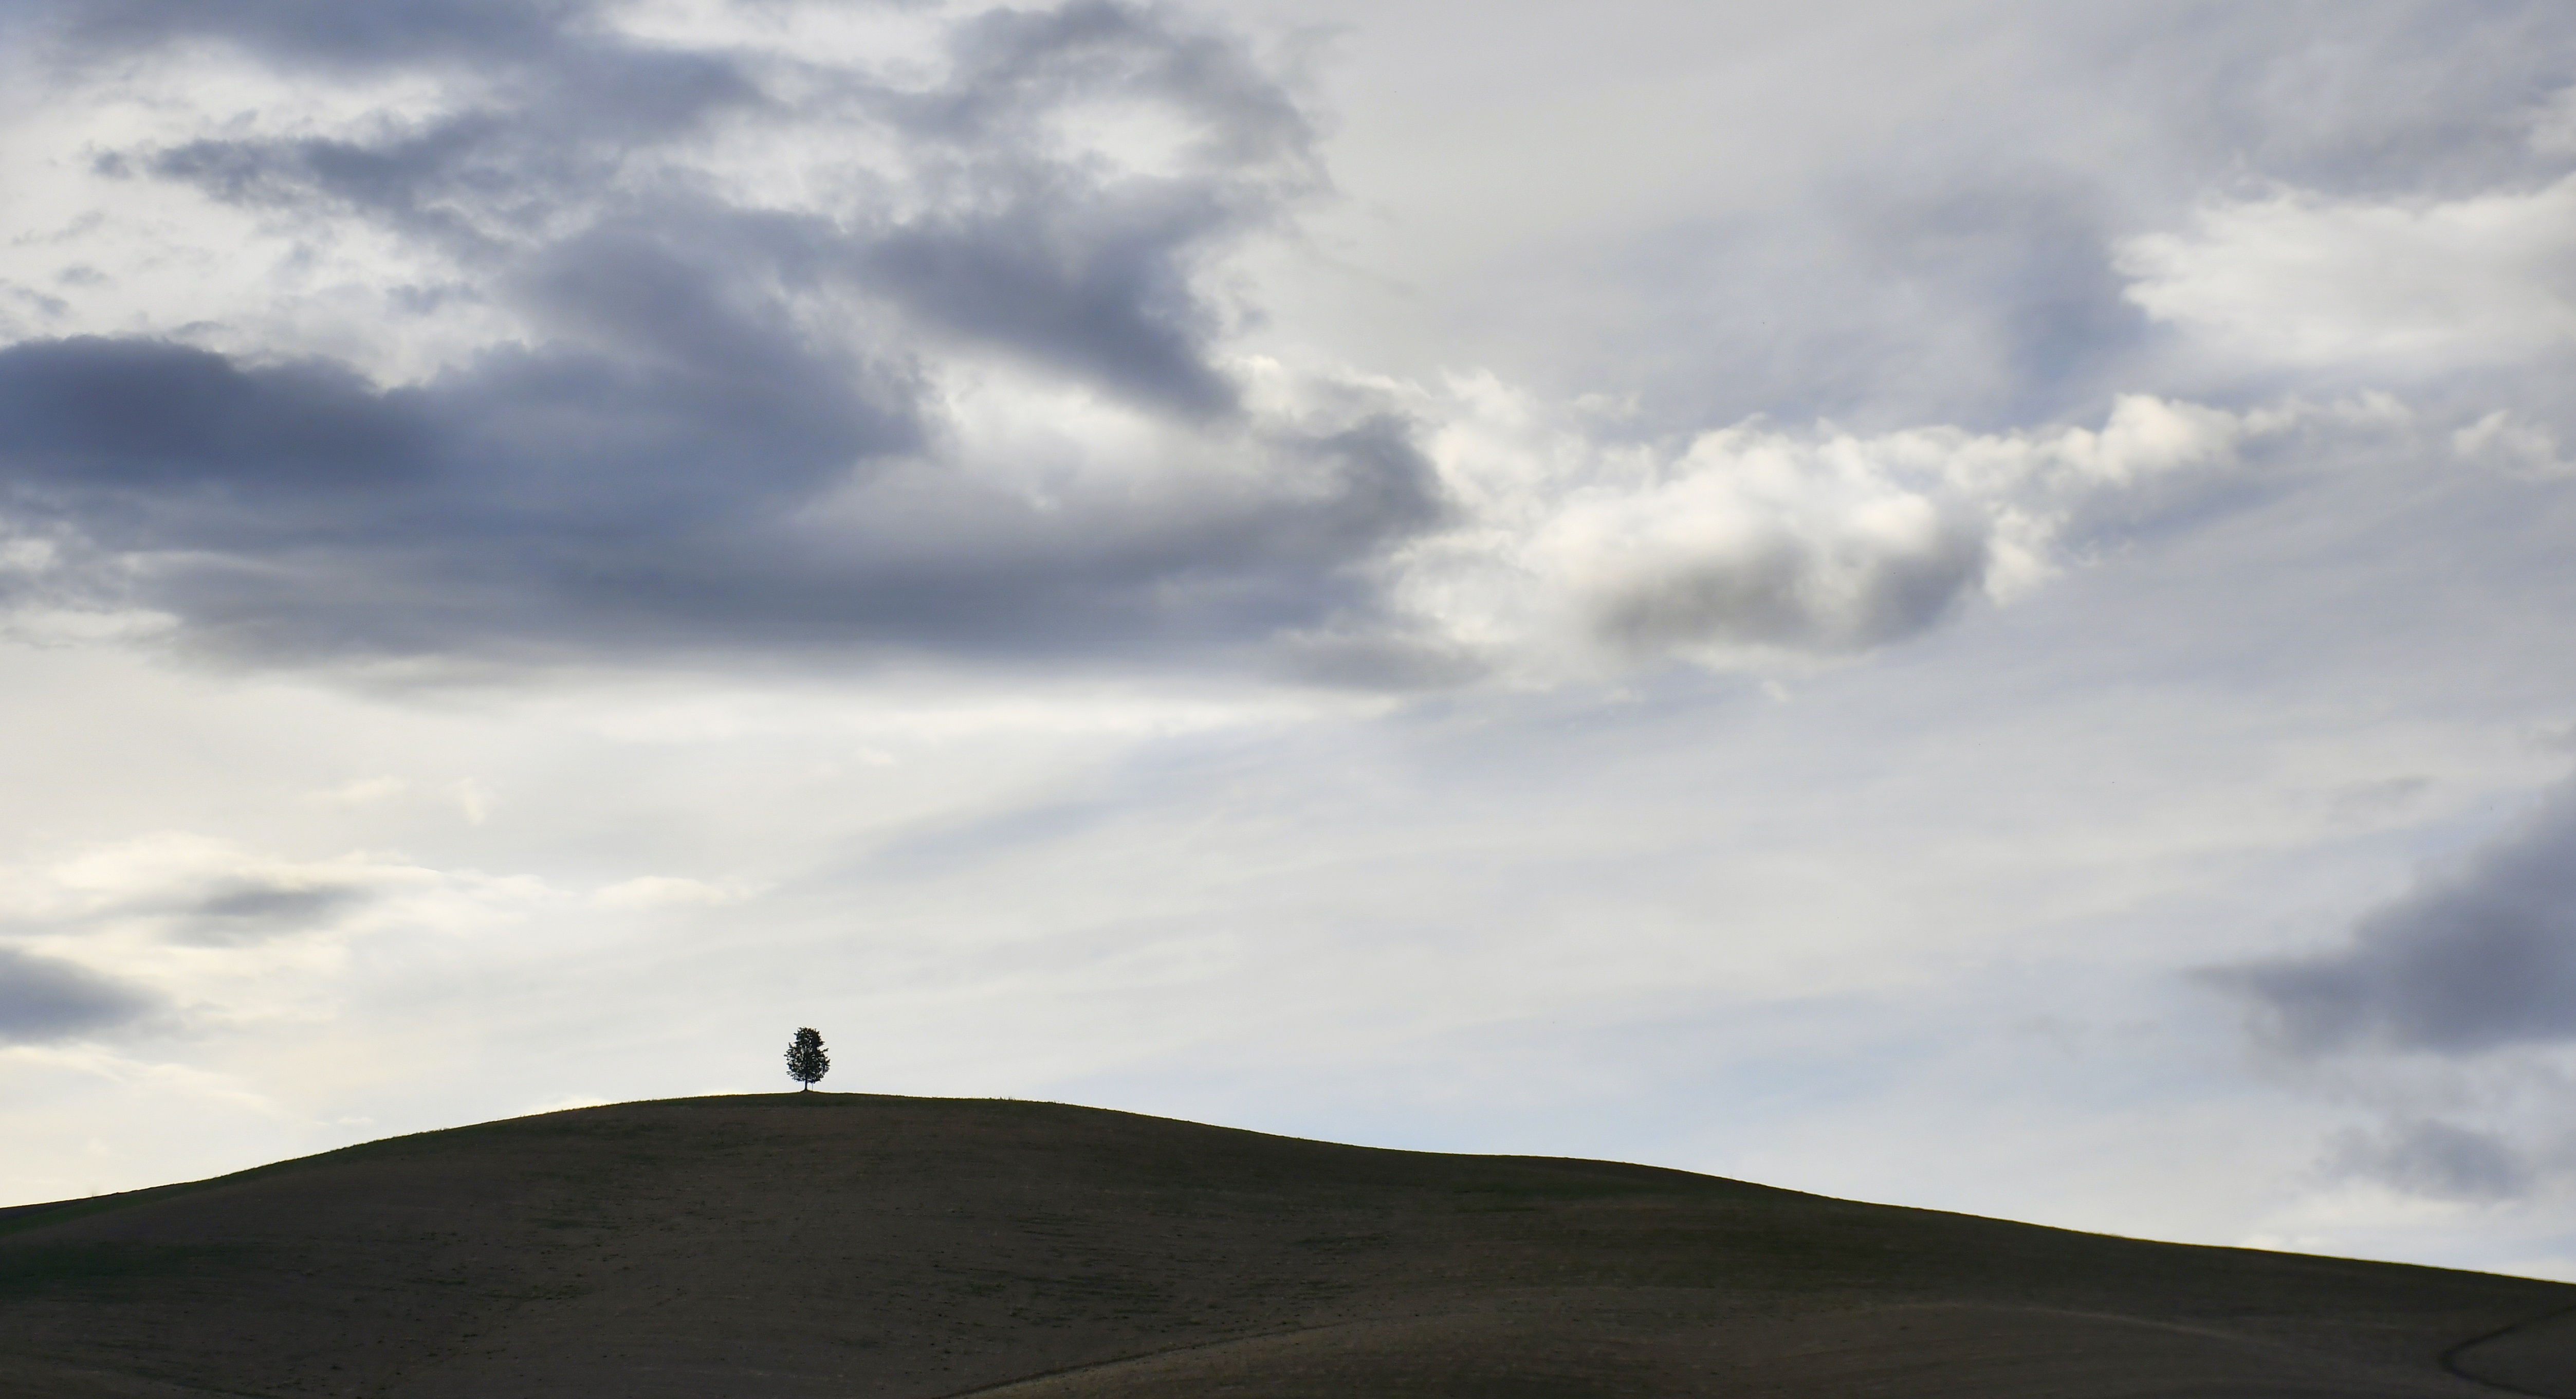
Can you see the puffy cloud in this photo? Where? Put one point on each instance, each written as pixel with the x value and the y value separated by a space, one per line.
pixel 1755 540
pixel 2476 960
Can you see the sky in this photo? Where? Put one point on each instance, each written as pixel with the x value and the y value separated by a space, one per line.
pixel 1963 603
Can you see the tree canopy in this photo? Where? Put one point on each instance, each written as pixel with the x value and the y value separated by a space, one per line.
pixel 806 1061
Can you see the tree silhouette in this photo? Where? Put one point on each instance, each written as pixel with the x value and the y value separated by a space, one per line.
pixel 806 1061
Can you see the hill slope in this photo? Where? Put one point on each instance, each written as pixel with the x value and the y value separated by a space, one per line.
pixel 846 1245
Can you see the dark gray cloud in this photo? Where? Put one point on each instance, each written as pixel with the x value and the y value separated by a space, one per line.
pixel 1796 593
pixel 703 376
pixel 1089 284
pixel 44 999
pixel 241 912
pixel 2433 1159
pixel 130 417
pixel 2480 959
pixel 391 32
pixel 1014 66
pixel 554 502
pixel 1046 257
pixel 483 181
pixel 556 102
pixel 684 410
pixel 1369 653
pixel 1018 241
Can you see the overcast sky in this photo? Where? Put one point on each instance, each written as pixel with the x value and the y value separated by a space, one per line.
pixel 1959 602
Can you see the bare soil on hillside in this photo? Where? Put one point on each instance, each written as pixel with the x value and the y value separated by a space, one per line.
pixel 885 1248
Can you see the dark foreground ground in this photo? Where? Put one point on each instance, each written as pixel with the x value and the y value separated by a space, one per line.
pixel 835 1244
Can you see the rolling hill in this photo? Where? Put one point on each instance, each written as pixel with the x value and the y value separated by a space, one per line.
pixel 796 1245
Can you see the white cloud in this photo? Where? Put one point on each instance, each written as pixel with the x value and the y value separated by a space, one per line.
pixel 2513 444
pixel 2306 280
pixel 655 891
pixel 1755 543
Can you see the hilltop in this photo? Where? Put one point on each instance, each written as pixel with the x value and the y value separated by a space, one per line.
pixel 855 1246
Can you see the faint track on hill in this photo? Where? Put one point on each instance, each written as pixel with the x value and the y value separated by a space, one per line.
pixel 1089 1366
pixel 2449 1359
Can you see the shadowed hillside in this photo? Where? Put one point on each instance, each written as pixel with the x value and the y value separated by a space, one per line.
pixel 845 1245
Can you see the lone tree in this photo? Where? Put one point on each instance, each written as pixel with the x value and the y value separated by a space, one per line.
pixel 806 1061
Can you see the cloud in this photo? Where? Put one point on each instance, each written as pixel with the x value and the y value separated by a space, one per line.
pixel 2299 279
pixel 656 891
pixel 248 910
pixel 176 890
pixel 1756 540
pixel 1887 239
pixel 2408 99
pixel 634 501
pixel 998 214
pixel 580 340
pixel 2476 960
pixel 403 33
pixel 362 791
pixel 1092 289
pixel 579 502
pixel 1047 259
pixel 43 999
pixel 691 415
pixel 2520 448
pixel 127 416
pixel 2433 1159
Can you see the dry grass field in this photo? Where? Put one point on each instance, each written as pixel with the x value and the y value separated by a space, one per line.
pixel 795 1245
